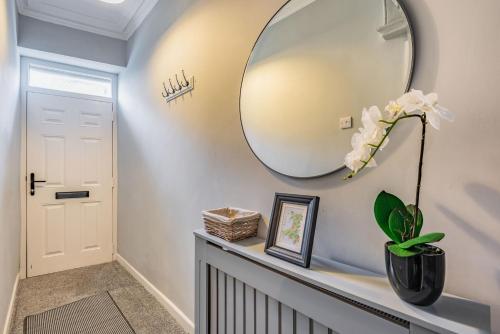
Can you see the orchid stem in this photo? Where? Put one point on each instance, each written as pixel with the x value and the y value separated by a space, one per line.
pixel 423 119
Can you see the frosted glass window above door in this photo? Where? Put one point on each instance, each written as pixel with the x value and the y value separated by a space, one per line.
pixel 47 78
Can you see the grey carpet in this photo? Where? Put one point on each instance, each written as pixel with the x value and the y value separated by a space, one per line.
pixel 97 314
pixel 42 293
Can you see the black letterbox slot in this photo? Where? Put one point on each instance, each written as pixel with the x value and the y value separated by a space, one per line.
pixel 72 194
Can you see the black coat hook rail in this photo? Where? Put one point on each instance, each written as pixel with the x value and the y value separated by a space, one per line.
pixel 175 88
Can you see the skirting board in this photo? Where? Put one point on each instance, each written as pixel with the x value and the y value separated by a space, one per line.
pixel 10 311
pixel 178 315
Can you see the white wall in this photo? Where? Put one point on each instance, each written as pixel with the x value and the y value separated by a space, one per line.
pixel 9 155
pixel 177 159
pixel 49 37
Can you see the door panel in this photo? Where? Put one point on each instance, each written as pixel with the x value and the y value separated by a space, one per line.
pixel 90 159
pixel 90 226
pixel 69 145
pixel 53 160
pixel 53 226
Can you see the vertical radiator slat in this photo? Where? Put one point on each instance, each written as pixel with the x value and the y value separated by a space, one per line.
pixel 260 314
pixel 213 300
pixel 286 320
pixel 249 310
pixel 239 309
pixel 273 316
pixel 319 328
pixel 230 299
pixel 302 324
pixel 221 307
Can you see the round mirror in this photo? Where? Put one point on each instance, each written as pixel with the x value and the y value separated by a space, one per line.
pixel 315 66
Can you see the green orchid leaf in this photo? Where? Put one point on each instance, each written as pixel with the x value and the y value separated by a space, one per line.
pixel 420 221
pixel 424 239
pixel 383 206
pixel 400 222
pixel 401 252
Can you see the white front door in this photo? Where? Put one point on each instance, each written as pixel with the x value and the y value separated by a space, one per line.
pixel 69 216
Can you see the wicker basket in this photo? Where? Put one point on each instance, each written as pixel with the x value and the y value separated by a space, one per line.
pixel 231 224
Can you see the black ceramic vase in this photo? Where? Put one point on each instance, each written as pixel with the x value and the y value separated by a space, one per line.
pixel 418 279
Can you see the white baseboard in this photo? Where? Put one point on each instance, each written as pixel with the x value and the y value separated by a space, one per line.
pixel 10 311
pixel 181 318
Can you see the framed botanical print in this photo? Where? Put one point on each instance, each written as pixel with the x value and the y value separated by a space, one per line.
pixel 291 229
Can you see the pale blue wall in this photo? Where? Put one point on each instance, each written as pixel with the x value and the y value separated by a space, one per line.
pixel 180 158
pixel 10 129
pixel 49 37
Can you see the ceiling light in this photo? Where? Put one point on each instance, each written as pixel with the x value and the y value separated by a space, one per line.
pixel 115 2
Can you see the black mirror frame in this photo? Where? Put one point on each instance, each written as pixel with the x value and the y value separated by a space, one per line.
pixel 408 85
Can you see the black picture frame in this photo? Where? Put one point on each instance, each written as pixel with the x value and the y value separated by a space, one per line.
pixel 272 247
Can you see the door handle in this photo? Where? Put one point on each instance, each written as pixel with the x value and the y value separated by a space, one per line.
pixel 32 183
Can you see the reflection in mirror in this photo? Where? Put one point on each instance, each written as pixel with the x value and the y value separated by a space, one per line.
pixel 314 67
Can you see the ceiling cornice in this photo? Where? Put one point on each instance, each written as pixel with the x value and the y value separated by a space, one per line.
pixel 134 22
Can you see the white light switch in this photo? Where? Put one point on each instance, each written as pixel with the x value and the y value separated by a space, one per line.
pixel 345 122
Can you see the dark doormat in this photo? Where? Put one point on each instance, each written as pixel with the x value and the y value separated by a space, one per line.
pixel 97 314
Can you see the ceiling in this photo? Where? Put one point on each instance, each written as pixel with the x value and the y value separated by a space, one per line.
pixel 113 20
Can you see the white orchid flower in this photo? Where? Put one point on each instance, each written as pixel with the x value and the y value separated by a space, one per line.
pixel 362 147
pixel 360 153
pixel 357 141
pixel 415 100
pixel 372 136
pixel 435 112
pixel 392 111
pixel 373 130
pixel 377 125
pixel 355 159
pixel 371 117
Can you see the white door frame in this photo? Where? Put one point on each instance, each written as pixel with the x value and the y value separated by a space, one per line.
pixel 25 65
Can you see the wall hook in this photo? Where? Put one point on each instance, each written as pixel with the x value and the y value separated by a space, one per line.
pixel 180 87
pixel 186 81
pixel 172 86
pixel 165 92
